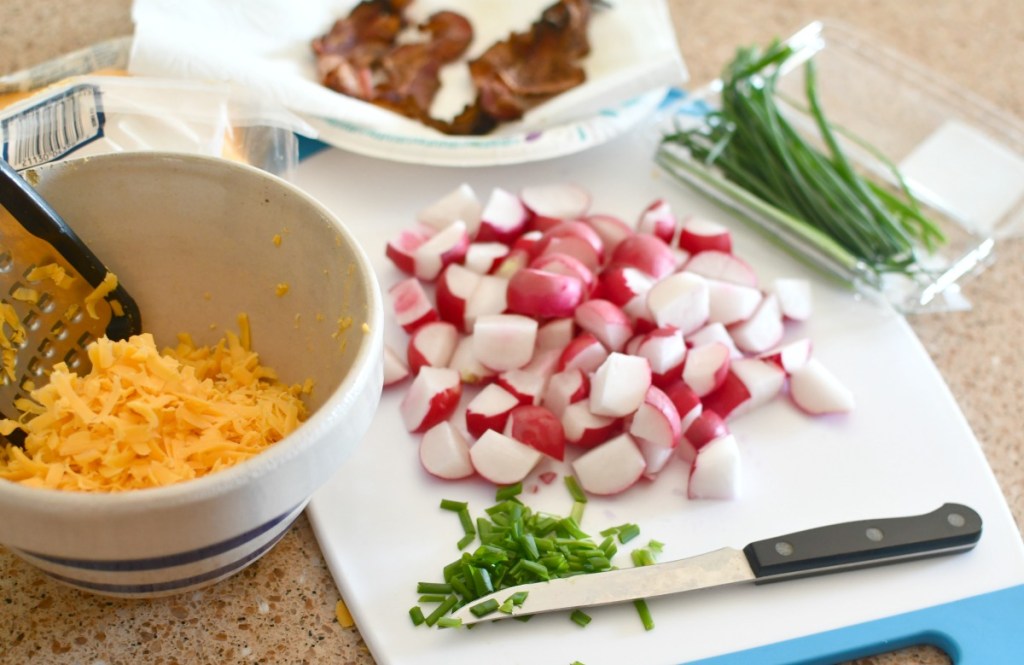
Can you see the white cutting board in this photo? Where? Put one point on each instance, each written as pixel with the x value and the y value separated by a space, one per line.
pixel 906 449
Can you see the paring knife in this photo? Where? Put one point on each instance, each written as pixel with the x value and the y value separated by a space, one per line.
pixel 828 549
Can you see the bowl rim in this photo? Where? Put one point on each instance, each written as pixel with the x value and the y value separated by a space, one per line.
pixel 332 410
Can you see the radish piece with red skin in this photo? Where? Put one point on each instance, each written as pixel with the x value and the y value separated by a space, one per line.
pixel 555 334
pixel 731 303
pixel 444 452
pixel 564 264
pixel 504 341
pixel 516 260
pixel 687 403
pixel 544 295
pixel 611 467
pixel 790 356
pixel 447 246
pixel 501 459
pixel 565 388
pixel 647 253
pixel 750 383
pixel 619 385
pixel 485 257
pixel 665 350
pixel 586 429
pixel 574 246
pixel 503 218
pixel 716 472
pixel 706 427
pixel 763 330
pixel 411 304
pixel 489 409
pixel 528 383
pixel 464 361
pixel 681 300
pixel 713 332
pixel 794 294
pixel 556 201
pixel 656 420
pixel 529 243
pixel 623 284
pixel 395 368
pixel 706 367
pixel 658 220
pixel 655 457
pixel 584 352
pixel 702 235
pixel 453 290
pixel 611 229
pixel 722 266
pixel 459 204
pixel 538 428
pixel 402 248
pixel 489 297
pixel 432 345
pixel 573 228
pixel 605 321
pixel 432 397
pixel 815 389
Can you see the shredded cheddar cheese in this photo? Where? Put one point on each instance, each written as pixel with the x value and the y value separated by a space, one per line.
pixel 344 617
pixel 108 284
pixel 52 272
pixel 143 419
pixel 281 289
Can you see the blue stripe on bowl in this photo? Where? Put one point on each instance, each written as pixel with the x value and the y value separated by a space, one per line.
pixel 169 560
pixel 171 585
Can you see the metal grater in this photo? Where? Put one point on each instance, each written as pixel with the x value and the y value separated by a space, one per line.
pixel 54 319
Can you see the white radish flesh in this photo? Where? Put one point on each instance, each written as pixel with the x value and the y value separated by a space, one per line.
pixel 701 235
pixel 706 367
pixel 503 217
pixel 464 361
pixel 432 344
pixel 619 385
pixel 605 321
pixel 723 266
pixel 795 299
pixel 443 248
pixel 714 332
pixel 444 452
pixel 705 428
pixel 489 297
pixel 656 420
pixel 612 230
pixel 501 459
pixel 557 201
pixel 432 397
pixel 647 253
pixel 731 303
pixel 584 352
pixel 586 429
pixel 790 356
pixel 489 409
pixel 665 350
pixel 565 388
pixel 680 300
pixel 461 204
pixel 750 383
pixel 485 257
pixel 717 471
pixel 564 264
pixel 411 304
pixel 611 467
pixel 658 220
pixel 555 334
pixel 816 389
pixel 395 368
pixel 401 249
pixel 763 330
pixel 454 288
pixel 504 341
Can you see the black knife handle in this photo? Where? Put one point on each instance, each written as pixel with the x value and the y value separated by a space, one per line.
pixel 951 528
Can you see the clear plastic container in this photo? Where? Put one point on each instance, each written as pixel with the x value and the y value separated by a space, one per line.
pixel 962 158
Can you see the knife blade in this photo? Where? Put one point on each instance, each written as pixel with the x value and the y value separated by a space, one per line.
pixel 828 549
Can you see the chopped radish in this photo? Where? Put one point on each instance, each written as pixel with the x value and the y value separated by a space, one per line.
pixel 701 235
pixel 749 384
pixel 762 330
pixel 586 429
pixel 538 428
pixel 489 409
pixel 574 246
pixel 516 260
pixel 454 288
pixel 555 334
pixel 461 204
pixel 504 341
pixel 395 369
pixel 432 344
pixel 529 243
pixel 655 457
pixel 665 350
pixel 611 229
pixel 723 266
pixel 464 361
pixel 572 228
pixel 790 356
pixel 706 367
pixel 658 220
pixel 489 297
pixel 444 452
pixel 564 264
pixel 716 473
pixel 713 332
pixel 432 397
pixel 605 321
pixel 411 304
pixel 485 257
pixel 731 303
pixel 556 202
pixel 657 420
pixel 816 390
pixel 542 294
pixel 610 467
pixel 624 284
pixel 528 383
pixel 680 300
pixel 687 403
pixel 619 385
pixel 647 253
pixel 705 428
pixel 503 218
pixel 565 388
pixel 501 459
pixel 794 296
pixel 401 249
pixel 584 352
pixel 448 245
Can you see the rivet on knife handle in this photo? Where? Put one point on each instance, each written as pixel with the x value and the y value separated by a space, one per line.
pixel 951 528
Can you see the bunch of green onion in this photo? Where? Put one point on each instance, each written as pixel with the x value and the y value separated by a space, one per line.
pixel 751 143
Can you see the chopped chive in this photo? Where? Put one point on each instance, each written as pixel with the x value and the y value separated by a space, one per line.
pixel 433 587
pixel 577 511
pixel 441 610
pixel 508 492
pixel 580 617
pixel 431 598
pixel 644 612
pixel 575 490
pixel 466 540
pixel 628 532
pixel 484 608
pixel 454 506
pixel 642 557
pixel 449 622
pixel 416 614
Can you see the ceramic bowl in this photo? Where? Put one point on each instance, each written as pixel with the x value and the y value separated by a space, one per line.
pixel 198 241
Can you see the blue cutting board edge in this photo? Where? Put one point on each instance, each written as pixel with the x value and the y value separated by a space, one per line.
pixel 987 629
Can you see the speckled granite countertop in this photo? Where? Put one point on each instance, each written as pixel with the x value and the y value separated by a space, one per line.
pixel 282 609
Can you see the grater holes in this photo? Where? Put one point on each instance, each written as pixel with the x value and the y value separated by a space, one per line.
pixel 6 260
pixel 47 349
pixel 86 339
pixel 45 303
pixel 35 367
pixel 32 320
pixel 73 359
pixel 73 314
pixel 59 331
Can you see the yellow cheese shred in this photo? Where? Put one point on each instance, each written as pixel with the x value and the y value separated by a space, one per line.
pixel 141 418
pixel 108 284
